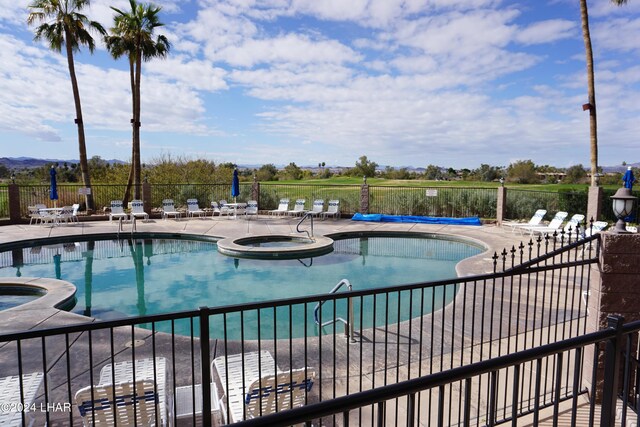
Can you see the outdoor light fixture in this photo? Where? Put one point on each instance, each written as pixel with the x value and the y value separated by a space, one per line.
pixel 597 178
pixel 364 179
pixel 622 207
pixel 13 178
pixel 501 181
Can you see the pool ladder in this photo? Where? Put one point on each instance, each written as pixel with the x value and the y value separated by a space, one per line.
pixel 134 227
pixel 310 216
pixel 348 324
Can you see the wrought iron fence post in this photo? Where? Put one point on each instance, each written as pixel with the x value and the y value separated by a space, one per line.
pixel 204 366
pixel 14 204
pixel 611 372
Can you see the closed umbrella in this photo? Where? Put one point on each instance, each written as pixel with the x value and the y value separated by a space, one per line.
pixel 53 190
pixel 628 179
pixel 235 185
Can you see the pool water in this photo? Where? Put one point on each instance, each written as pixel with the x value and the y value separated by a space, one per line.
pixel 116 279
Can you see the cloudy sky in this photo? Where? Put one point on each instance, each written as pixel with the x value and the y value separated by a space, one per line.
pixel 405 82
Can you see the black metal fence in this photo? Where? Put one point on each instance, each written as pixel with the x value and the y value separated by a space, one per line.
pixel 349 195
pixel 437 201
pixel 386 336
pixel 394 200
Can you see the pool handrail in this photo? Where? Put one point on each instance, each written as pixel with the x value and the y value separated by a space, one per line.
pixel 348 324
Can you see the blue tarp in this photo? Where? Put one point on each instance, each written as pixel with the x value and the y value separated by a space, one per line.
pixel 474 220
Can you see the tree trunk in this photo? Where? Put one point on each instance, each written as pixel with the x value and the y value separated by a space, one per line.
pixel 127 191
pixel 136 137
pixel 84 164
pixel 593 124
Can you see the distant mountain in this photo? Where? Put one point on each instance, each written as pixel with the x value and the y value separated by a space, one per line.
pixel 30 162
pixel 619 168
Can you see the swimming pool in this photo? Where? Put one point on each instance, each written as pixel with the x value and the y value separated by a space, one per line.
pixel 121 278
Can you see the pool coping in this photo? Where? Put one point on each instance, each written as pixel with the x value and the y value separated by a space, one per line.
pixel 315 246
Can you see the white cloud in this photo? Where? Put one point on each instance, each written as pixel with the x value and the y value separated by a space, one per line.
pixel 290 48
pixel 547 31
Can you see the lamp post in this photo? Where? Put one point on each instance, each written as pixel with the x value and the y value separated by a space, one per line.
pixel 622 203
pixel 13 178
pixel 364 179
pixel 501 181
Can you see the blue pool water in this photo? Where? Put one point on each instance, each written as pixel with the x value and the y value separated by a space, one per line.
pixel 124 278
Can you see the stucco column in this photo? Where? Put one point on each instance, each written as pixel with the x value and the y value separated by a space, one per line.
pixel 364 199
pixel 501 205
pixel 614 289
pixel 594 204
pixel 14 203
pixel 255 190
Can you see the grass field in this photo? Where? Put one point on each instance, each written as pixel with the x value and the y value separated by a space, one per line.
pixel 426 183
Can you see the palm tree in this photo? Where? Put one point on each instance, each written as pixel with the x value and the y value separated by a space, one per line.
pixel 63 24
pixel 132 35
pixel 591 106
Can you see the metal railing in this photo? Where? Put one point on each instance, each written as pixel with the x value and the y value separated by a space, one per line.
pixel 348 323
pixel 307 215
pixel 404 332
pixel 435 201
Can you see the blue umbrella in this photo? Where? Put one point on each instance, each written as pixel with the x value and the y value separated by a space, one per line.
pixel 53 191
pixel 628 179
pixel 235 185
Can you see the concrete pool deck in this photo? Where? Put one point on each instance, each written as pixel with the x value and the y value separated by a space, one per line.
pixel 33 316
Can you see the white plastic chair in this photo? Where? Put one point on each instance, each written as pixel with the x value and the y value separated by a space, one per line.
pixel 168 209
pixel 298 208
pixel 553 226
pixel 137 210
pixel 534 221
pixel 149 394
pixel 333 209
pixel 283 208
pixel 117 211
pixel 252 208
pixel 10 398
pixel 317 208
pixel 275 391
pixel 76 208
pixel 224 209
pixel 215 209
pixel 193 208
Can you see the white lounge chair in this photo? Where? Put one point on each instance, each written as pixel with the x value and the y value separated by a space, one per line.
pixel 571 231
pixel 283 208
pixel 10 392
pixel 76 208
pixel 168 209
pixel 252 208
pixel 148 394
pixel 554 225
pixel 274 391
pixel 65 214
pixel 35 216
pixel 534 221
pixel 117 211
pixel 224 209
pixel 318 207
pixel 298 208
pixel 137 210
pixel 193 209
pixel 333 209
pixel 215 209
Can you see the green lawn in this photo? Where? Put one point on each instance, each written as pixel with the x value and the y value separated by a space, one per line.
pixel 425 183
